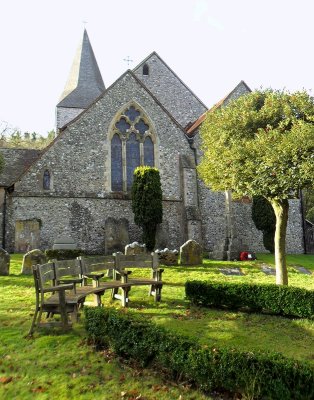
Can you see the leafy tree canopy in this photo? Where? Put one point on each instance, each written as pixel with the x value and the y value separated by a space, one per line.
pixel 261 144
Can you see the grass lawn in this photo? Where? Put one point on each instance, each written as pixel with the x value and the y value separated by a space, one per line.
pixel 56 365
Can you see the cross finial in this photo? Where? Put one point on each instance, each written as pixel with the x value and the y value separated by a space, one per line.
pixel 128 60
pixel 84 23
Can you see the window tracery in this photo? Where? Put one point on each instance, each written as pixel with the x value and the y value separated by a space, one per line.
pixel 132 144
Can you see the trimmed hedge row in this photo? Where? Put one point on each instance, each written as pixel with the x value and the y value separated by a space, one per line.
pixel 63 254
pixel 280 300
pixel 253 374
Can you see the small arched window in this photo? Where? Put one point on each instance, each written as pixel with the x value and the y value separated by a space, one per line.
pixel 46 180
pixel 145 69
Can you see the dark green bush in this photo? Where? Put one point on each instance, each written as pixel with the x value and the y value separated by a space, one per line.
pixel 63 254
pixel 281 300
pixel 147 202
pixel 255 375
pixel 265 220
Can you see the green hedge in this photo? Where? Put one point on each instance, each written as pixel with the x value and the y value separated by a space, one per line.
pixel 63 254
pixel 253 374
pixel 276 299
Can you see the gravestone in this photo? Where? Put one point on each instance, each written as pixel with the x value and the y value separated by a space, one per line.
pixel 134 248
pixel 191 253
pixel 116 235
pixel 31 258
pixel 64 242
pixel 302 270
pixel 268 270
pixel 231 271
pixel 4 262
pixel 168 257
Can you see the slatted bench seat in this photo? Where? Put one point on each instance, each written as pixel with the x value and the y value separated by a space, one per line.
pixel 100 269
pixel 123 264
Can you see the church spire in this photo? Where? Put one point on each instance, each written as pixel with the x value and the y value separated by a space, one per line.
pixel 84 83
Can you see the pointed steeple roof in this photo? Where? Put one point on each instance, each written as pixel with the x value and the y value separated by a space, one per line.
pixel 84 83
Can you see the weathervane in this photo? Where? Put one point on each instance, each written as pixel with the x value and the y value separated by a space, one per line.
pixel 128 60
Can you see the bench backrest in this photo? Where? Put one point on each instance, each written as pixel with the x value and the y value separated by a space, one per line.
pixel 65 268
pixel 96 263
pixel 148 260
pixel 43 274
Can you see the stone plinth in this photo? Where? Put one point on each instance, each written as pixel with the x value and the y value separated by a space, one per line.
pixel 168 257
pixel 134 248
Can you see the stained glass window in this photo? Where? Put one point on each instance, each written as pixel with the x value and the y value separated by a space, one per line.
pixel 122 125
pixel 132 113
pixel 127 154
pixel 116 164
pixel 132 158
pixel 149 152
pixel 141 127
pixel 46 180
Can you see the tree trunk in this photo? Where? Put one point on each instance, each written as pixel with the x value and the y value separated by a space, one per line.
pixel 281 208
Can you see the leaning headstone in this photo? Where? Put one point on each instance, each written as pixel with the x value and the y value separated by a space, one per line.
pixel 191 253
pixel 268 270
pixel 134 248
pixel 31 258
pixel 64 242
pixel 4 262
pixel 231 271
pixel 168 257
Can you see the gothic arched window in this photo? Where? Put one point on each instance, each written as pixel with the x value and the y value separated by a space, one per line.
pixel 145 69
pixel 132 144
pixel 46 180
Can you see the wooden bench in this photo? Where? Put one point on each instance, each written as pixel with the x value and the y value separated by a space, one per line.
pixel 123 263
pixel 53 298
pixel 61 288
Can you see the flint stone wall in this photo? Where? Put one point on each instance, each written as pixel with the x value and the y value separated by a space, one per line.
pixel 85 221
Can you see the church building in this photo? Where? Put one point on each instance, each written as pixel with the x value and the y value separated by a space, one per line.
pixel 79 186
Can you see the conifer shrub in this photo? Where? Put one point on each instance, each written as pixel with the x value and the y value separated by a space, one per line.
pixel 253 374
pixel 265 220
pixel 271 298
pixel 147 202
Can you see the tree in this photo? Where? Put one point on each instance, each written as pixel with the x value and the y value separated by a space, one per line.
pixel 262 144
pixel 147 202
pixel 265 220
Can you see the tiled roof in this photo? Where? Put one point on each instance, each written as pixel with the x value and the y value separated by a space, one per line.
pixel 240 89
pixel 16 162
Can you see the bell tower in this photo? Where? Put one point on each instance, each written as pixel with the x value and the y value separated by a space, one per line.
pixel 84 85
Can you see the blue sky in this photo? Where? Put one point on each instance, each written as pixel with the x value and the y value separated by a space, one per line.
pixel 211 45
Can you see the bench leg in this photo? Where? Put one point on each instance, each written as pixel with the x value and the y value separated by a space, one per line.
pixel 34 322
pixel 97 299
